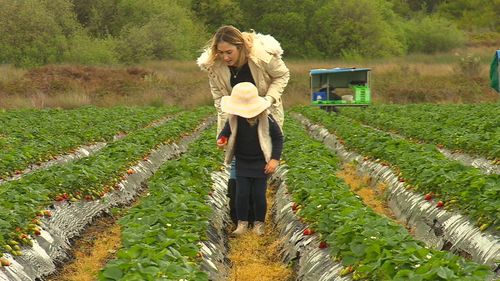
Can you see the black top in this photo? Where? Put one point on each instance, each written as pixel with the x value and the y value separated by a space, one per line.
pixel 250 160
pixel 242 74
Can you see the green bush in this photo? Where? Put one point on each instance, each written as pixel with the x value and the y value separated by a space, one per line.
pixel 85 50
pixel 288 28
pixel 360 27
pixel 431 34
pixel 34 32
pixel 171 33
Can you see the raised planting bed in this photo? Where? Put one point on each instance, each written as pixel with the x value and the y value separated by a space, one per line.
pixel 471 128
pixel 177 231
pixel 365 245
pixel 30 137
pixel 140 154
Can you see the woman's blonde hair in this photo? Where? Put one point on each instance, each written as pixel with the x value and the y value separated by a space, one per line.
pixel 233 36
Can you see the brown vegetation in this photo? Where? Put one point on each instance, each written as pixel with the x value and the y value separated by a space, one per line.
pixel 91 251
pixel 415 79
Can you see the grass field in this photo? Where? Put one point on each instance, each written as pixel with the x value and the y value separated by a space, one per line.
pixel 457 77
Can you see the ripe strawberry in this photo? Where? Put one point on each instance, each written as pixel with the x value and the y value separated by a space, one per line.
pixel 295 206
pixel 38 232
pixel 222 140
pixel 130 171
pixel 59 198
pixel 308 231
pixel 428 196
pixel 323 245
pixel 440 204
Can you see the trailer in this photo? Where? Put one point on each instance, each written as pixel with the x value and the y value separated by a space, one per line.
pixel 338 87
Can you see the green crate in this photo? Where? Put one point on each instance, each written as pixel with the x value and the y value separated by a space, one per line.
pixel 362 95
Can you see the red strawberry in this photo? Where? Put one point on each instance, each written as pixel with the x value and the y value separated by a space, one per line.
pixel 222 140
pixel 323 245
pixel 308 231
pixel 428 197
pixel 130 171
pixel 295 206
pixel 440 204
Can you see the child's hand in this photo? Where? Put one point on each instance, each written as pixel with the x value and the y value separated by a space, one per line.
pixel 271 166
pixel 221 142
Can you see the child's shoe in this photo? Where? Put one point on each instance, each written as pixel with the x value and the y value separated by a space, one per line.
pixel 258 228
pixel 241 229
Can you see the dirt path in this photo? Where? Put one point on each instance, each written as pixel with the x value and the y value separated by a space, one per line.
pixel 95 247
pixel 256 258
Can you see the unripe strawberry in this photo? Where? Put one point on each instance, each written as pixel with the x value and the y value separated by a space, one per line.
pixel 4 262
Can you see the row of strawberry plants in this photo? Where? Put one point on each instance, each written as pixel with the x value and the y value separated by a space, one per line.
pixel 370 245
pixel 161 234
pixel 87 178
pixel 474 129
pixel 422 166
pixel 32 136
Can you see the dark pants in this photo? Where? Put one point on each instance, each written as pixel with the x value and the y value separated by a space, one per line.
pixel 247 190
pixel 231 193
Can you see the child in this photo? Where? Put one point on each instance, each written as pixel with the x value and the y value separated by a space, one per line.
pixel 254 138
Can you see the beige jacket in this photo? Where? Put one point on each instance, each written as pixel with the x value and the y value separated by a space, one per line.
pixel 268 69
pixel 262 132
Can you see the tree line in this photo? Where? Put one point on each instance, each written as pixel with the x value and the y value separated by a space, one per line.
pixel 38 32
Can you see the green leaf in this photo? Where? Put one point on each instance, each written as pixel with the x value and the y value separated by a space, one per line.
pixel 445 273
pixel 113 273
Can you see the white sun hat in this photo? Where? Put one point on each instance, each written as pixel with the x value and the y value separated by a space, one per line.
pixel 244 101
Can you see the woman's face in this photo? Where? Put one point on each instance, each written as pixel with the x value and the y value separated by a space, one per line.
pixel 229 53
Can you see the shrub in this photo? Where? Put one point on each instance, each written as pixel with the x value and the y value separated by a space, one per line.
pixel 85 50
pixel 431 34
pixel 33 32
pixel 364 27
pixel 469 66
pixel 167 33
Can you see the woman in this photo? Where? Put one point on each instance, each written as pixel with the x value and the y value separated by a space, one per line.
pixel 232 57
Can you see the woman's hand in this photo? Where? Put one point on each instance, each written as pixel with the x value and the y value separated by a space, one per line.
pixel 271 166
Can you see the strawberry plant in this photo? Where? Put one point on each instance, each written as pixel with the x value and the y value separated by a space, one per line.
pixel 161 234
pixel 422 165
pixel 368 244
pixel 468 127
pixel 30 136
pixel 88 177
